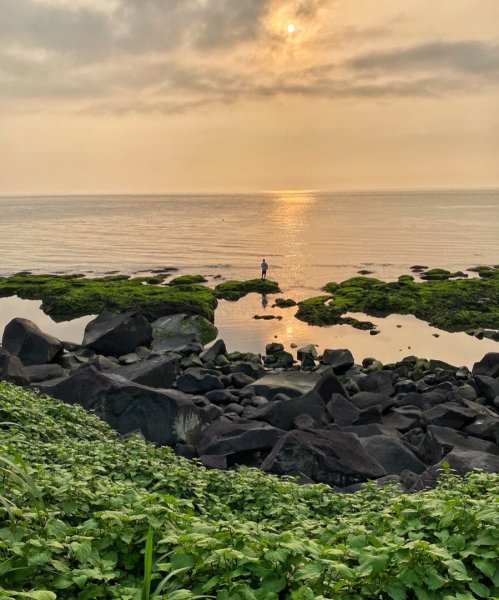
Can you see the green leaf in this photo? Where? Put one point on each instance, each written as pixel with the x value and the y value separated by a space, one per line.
pixel 396 591
pixel 211 583
pixel 479 589
pixel 83 551
pixel 274 583
pixel 487 567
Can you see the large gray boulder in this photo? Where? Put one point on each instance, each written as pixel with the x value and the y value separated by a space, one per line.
pixel 11 369
pixel 164 417
pixel 157 372
pixel 117 334
pixel 331 457
pixel 449 414
pixel 24 339
pixel 392 454
pixel 37 373
pixel 489 365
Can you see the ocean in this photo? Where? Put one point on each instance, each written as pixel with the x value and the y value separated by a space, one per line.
pixel 308 239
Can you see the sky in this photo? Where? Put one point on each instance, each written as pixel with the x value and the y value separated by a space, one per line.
pixel 179 96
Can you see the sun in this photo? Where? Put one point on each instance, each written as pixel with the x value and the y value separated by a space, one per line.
pixel 291 28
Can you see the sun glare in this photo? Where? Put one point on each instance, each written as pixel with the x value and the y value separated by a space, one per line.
pixel 291 28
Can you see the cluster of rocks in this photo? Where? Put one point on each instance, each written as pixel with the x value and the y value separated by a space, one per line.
pixel 323 418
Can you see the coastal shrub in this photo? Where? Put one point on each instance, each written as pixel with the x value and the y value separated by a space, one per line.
pixel 226 535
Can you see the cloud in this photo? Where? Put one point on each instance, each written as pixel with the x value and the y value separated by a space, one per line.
pixel 468 57
pixel 173 56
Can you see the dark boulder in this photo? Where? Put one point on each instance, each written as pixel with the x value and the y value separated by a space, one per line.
pixel 344 413
pixel 392 454
pixel 199 381
pixel 282 413
pixel 364 400
pixel 379 382
pixel 221 397
pixel 24 339
pixel 489 365
pixel 37 373
pixel 485 427
pixel 117 334
pixel 217 349
pixel 449 414
pixel 291 383
pixel 227 439
pixel 460 461
pixel 157 372
pixel 164 417
pixel 488 387
pixel 11 369
pixel 339 360
pixel 331 457
pixel 370 429
pixel 439 441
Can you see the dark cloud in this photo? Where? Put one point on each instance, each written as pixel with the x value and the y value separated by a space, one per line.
pixel 468 57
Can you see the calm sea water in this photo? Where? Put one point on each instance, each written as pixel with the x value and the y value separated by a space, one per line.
pixel 308 239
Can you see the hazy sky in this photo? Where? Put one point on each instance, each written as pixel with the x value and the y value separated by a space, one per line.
pixel 216 95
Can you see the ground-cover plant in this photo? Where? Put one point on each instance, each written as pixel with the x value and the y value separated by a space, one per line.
pixel 453 305
pixel 230 535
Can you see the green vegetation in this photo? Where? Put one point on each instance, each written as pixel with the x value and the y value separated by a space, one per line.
pixel 67 297
pixel 284 302
pixel 113 506
pixel 441 274
pixel 321 311
pixel 188 280
pixel 457 305
pixel 234 290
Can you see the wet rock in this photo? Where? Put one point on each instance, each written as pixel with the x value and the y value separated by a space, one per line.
pixel 488 387
pixel 309 351
pixel 24 339
pixel 331 457
pixel 340 360
pixel 273 348
pixel 117 334
pixel 192 327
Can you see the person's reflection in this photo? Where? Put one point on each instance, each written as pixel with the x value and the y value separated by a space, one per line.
pixel 264 301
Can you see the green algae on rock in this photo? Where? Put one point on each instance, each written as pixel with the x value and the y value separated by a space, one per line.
pixel 188 280
pixel 453 305
pixel 234 290
pixel 284 302
pixel 66 297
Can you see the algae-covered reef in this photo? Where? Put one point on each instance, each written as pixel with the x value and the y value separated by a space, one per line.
pixel 227 535
pixel 66 297
pixel 450 304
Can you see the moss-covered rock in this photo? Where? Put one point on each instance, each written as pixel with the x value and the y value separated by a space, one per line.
pixel 67 297
pixel 234 290
pixel 322 311
pixel 284 302
pixel 453 305
pixel 188 280
pixel 441 274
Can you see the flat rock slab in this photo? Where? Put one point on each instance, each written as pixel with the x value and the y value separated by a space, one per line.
pixel 290 383
pixel 226 438
pixel 37 373
pixel 117 334
pixel 157 372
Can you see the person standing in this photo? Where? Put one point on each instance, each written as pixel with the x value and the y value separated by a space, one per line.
pixel 265 266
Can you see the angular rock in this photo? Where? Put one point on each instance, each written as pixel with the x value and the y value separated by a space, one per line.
pixel 217 349
pixel 117 334
pixel 489 365
pixel 158 372
pixel 345 413
pixel 282 414
pixel 461 461
pixel 192 327
pixel 331 457
pixel 379 382
pixel 309 350
pixel 199 381
pixel 485 427
pixel 449 414
pixel 273 348
pixel 11 369
pixel 392 454
pixel 291 383
pixel 164 417
pixel 439 441
pixel 370 429
pixel 340 360
pixel 225 438
pixel 364 400
pixel 488 387
pixel 24 339
pixel 37 373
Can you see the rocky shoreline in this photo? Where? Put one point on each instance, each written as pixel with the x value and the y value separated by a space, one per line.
pixel 322 418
